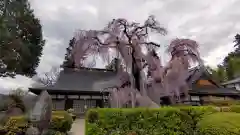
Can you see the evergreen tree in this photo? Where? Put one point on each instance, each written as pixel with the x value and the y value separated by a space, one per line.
pixel 68 62
pixel 231 63
pixel 219 74
pixel 21 40
pixel 233 67
pixel 237 43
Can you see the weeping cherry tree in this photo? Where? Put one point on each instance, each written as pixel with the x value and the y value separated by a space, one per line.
pixel 132 87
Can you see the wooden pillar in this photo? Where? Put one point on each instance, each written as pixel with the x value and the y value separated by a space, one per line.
pixel 102 101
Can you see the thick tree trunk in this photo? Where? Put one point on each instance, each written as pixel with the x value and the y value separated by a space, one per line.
pixel 141 100
pixel 135 72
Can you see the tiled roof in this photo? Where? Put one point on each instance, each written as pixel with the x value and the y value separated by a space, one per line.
pixel 84 80
pixel 79 80
pixel 215 91
pixel 196 72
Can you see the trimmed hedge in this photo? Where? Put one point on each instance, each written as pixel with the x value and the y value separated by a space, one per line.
pixel 221 123
pixel 181 120
pixel 61 121
pixel 139 121
pixel 223 102
pixel 197 112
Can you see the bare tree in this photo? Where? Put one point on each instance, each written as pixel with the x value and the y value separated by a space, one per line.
pixel 132 86
pixel 48 78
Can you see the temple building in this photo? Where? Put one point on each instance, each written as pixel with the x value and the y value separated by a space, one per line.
pixel 74 89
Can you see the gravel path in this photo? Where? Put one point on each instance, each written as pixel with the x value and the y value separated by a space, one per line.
pixel 78 127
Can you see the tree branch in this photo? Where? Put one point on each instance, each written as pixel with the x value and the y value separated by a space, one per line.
pixel 151 43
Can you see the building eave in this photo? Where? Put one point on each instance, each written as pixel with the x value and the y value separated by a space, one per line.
pixel 77 81
pixel 37 91
pixel 216 91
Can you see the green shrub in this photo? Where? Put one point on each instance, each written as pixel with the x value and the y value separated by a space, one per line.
pixel 15 125
pixel 61 123
pixel 71 111
pixel 221 123
pixel 197 112
pixel 139 121
pixel 17 102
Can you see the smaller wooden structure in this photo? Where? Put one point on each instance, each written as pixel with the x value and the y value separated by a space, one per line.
pixel 204 89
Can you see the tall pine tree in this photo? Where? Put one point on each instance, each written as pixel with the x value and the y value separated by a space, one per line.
pixel 68 61
pixel 21 40
pixel 231 62
pixel 237 43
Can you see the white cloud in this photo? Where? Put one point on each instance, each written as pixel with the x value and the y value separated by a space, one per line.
pixel 217 55
pixel 18 82
pixel 213 23
pixel 90 9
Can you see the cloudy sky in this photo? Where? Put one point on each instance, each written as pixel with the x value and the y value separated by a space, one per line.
pixel 213 23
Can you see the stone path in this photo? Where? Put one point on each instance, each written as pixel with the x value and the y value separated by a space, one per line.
pixel 78 127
